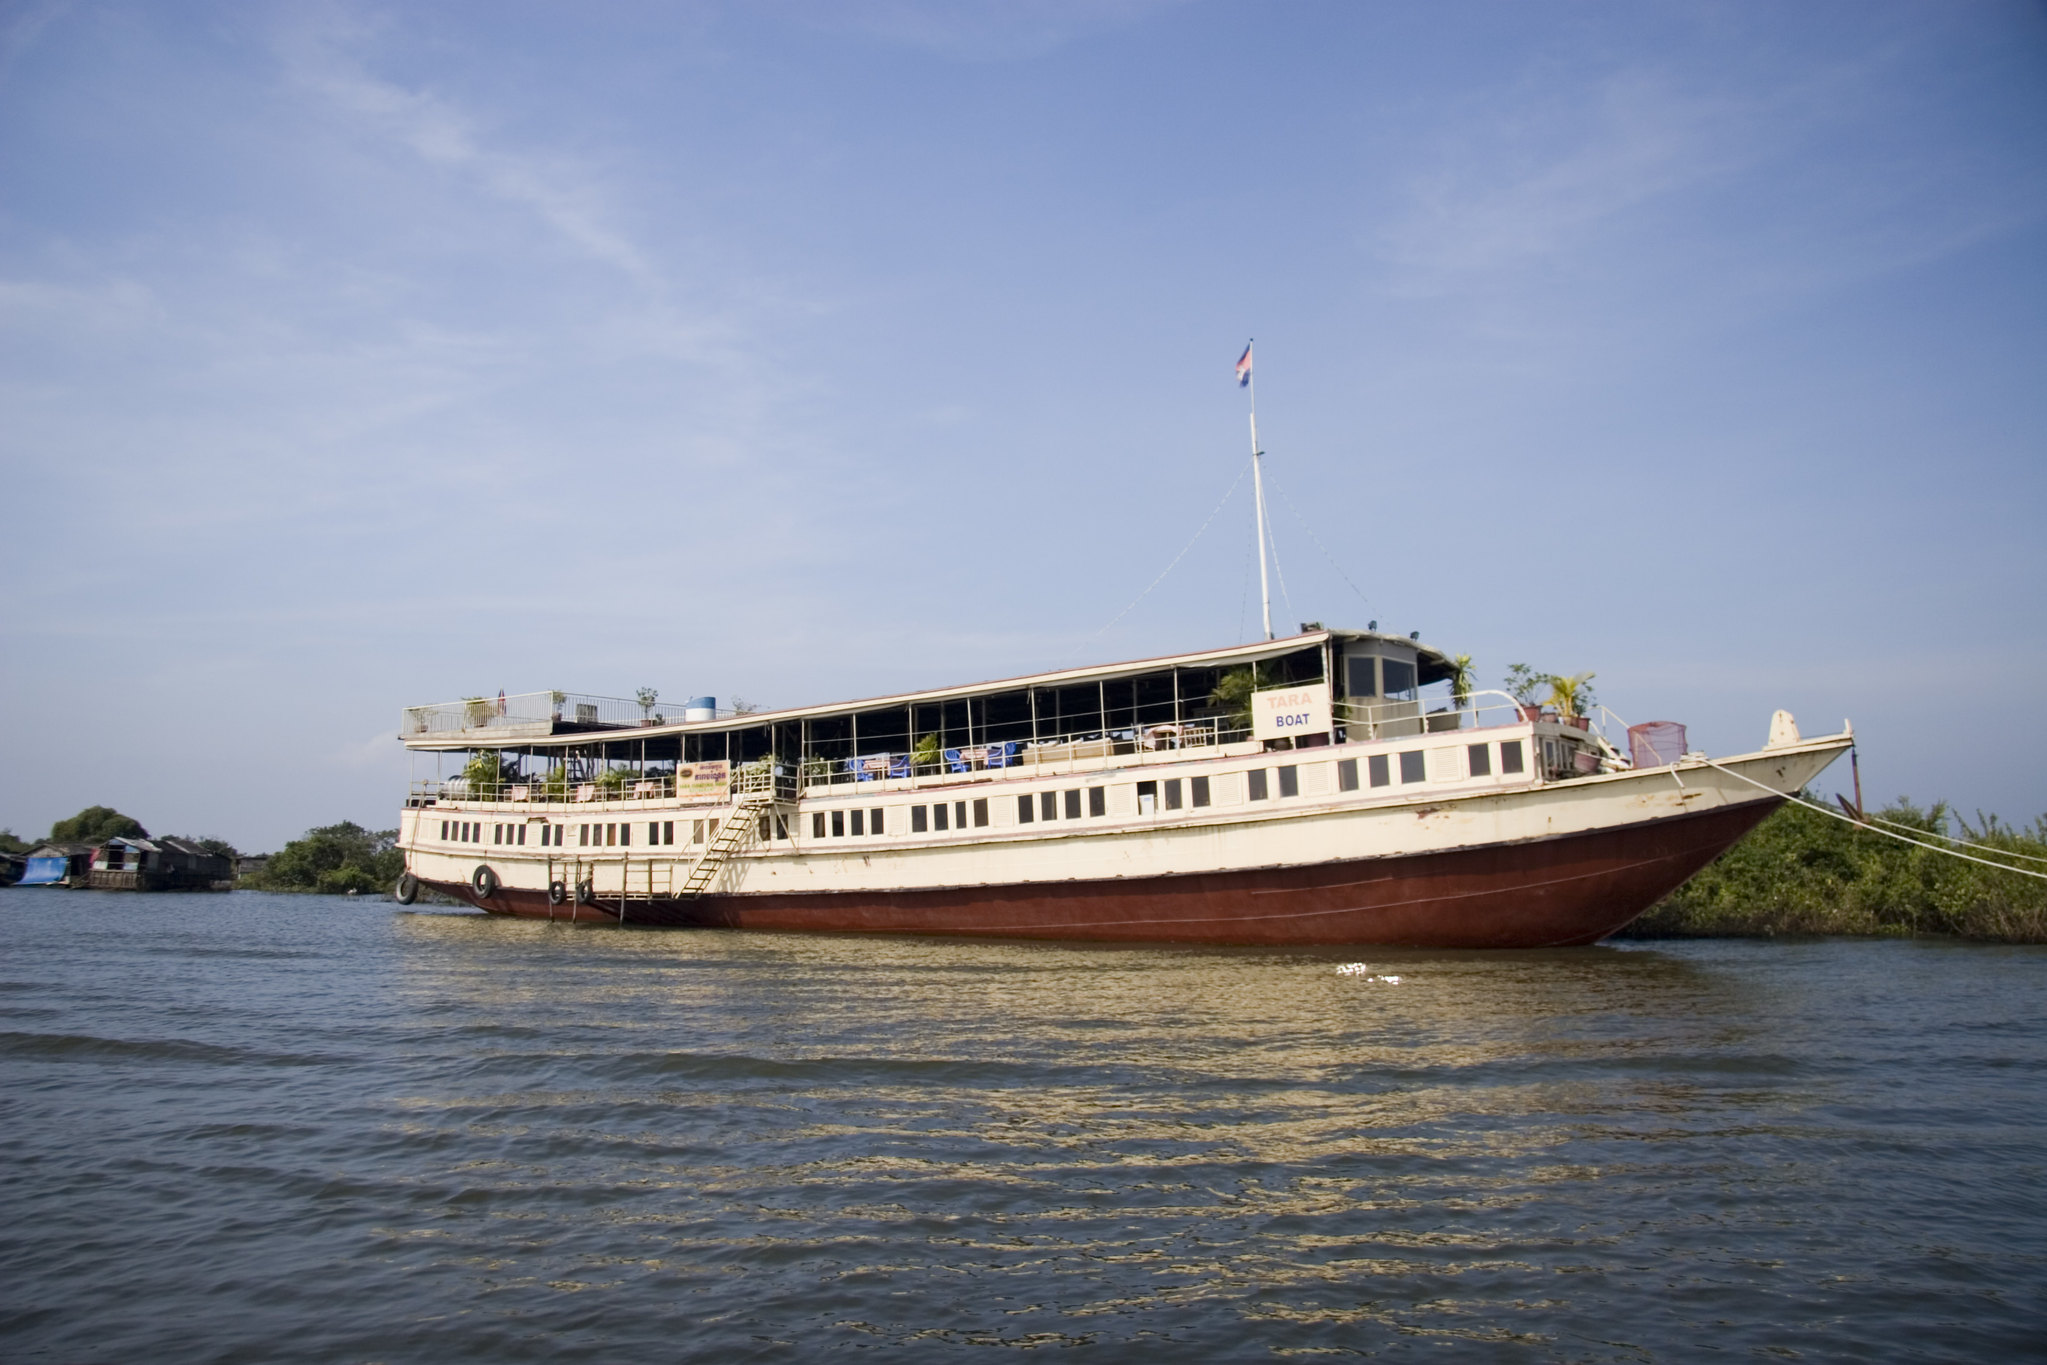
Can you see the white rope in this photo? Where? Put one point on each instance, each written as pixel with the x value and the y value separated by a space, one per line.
pixel 1849 819
pixel 1178 557
pixel 1965 843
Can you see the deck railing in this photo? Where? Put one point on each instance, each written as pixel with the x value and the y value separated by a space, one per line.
pixel 538 709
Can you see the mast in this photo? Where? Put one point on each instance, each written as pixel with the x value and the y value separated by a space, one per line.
pixel 1258 487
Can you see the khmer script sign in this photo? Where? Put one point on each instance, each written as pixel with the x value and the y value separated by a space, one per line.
pixel 1288 712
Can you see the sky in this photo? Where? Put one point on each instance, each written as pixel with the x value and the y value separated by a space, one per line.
pixel 356 356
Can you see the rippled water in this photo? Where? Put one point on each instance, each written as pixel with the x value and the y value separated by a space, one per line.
pixel 251 1128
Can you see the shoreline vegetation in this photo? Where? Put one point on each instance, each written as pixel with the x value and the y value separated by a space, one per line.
pixel 1803 873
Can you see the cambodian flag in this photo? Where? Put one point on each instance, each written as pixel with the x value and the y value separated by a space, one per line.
pixel 1244 367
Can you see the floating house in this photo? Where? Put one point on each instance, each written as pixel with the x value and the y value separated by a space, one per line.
pixel 58 865
pixel 159 865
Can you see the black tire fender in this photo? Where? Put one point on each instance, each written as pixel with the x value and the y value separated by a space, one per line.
pixel 557 892
pixel 586 893
pixel 407 890
pixel 483 882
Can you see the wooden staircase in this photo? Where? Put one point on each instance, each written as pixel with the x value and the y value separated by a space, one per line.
pixel 738 828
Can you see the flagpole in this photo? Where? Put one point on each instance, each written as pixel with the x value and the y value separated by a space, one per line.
pixel 1258 487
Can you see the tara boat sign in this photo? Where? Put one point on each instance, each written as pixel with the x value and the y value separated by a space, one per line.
pixel 1291 712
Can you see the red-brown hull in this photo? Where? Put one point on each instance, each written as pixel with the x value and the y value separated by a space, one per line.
pixel 1559 892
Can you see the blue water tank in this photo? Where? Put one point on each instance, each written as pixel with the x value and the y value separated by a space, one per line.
pixel 701 708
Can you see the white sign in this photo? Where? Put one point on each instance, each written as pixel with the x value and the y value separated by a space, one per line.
pixel 1285 712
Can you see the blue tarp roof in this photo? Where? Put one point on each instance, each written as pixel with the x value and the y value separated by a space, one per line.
pixel 45 871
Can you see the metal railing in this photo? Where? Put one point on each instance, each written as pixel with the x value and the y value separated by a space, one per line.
pixel 539 709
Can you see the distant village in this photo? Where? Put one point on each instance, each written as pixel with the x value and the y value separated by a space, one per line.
pixel 100 849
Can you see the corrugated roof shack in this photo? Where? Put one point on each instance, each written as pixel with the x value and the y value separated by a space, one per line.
pixel 58 865
pixel 160 865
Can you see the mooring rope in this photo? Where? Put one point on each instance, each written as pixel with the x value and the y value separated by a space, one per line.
pixel 1863 824
pixel 1178 557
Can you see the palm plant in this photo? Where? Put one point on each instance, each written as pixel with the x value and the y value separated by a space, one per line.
pixel 1462 676
pixel 1232 694
pixel 1571 696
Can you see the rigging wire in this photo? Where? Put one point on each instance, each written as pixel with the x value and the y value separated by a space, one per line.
pixel 1965 843
pixel 1272 540
pixel 1842 815
pixel 1318 542
pixel 1176 558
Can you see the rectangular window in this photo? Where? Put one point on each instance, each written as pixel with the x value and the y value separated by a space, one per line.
pixel 696 830
pixel 444 829
pixel 1048 805
pixel 1173 794
pixel 981 813
pixel 1481 760
pixel 1399 679
pixel 1147 798
pixel 816 827
pixel 941 816
pixel 1289 781
pixel 959 815
pixel 625 832
pixel 497 834
pixel 1347 774
pixel 653 831
pixel 1073 804
pixel 781 827
pixel 667 831
pixel 859 823
pixel 1255 779
pixel 920 819
pixel 1378 770
pixel 1026 809
pixel 582 835
pixel 1200 790
pixel 1510 756
pixel 1412 766
pixel 1097 800
pixel 874 821
pixel 765 825
pixel 522 835
pixel 1364 677
pixel 838 824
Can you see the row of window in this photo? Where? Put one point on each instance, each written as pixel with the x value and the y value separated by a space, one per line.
pixel 613 835
pixel 1030 806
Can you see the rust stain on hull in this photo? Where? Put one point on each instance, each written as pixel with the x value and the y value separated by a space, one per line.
pixel 1560 892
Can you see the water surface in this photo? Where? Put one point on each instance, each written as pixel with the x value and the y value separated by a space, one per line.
pixel 252 1128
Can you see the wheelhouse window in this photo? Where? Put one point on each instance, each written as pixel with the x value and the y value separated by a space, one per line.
pixel 1399 679
pixel 1363 676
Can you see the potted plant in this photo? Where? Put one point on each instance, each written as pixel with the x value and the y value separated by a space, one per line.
pixel 1522 683
pixel 1572 697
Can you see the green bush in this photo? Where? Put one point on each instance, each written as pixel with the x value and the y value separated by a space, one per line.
pixel 333 860
pixel 95 825
pixel 1801 872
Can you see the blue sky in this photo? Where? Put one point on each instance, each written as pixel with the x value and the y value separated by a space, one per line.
pixel 353 356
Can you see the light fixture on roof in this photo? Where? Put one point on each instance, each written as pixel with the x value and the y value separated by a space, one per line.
pixel 1414 635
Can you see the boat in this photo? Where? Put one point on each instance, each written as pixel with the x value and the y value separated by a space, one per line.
pixel 1335 786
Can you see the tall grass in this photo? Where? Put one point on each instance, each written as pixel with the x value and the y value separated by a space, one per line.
pixel 1801 872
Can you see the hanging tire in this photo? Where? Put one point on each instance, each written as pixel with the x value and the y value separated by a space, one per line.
pixel 557 892
pixel 407 890
pixel 586 893
pixel 483 882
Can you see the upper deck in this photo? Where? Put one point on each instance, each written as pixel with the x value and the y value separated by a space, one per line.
pixel 1102 703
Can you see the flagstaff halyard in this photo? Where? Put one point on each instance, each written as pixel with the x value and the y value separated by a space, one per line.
pixel 1329 787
